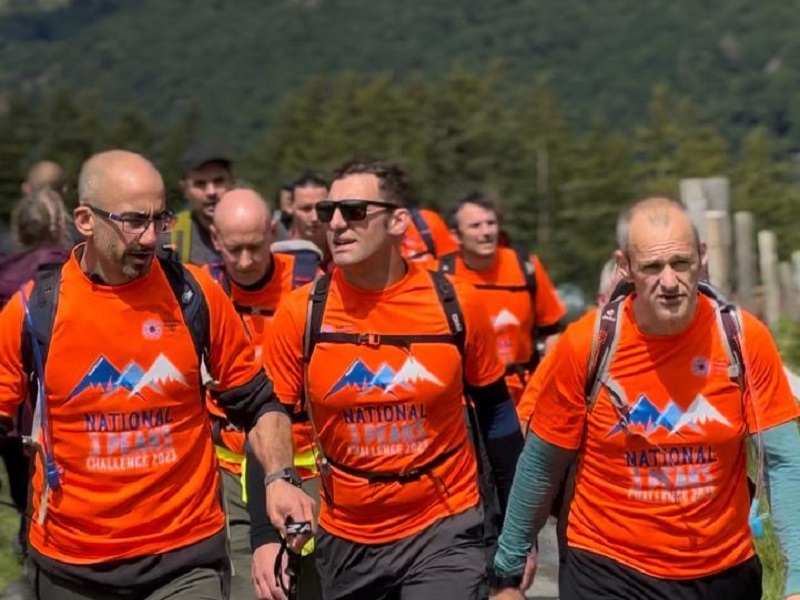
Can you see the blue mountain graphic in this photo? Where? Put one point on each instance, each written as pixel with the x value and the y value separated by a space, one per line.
pixel 383 377
pixel 643 413
pixel 358 375
pixel 669 418
pixel 130 377
pixel 103 374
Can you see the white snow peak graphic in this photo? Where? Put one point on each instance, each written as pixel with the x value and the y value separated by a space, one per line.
pixel 700 412
pixel 504 318
pixel 162 371
pixel 410 373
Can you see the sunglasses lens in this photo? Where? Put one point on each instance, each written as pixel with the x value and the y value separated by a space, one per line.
pixel 325 211
pixel 353 210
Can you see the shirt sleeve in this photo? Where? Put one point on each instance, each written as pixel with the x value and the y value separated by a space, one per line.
pixel 482 363
pixel 527 402
pixel 283 351
pixel 13 385
pixel 442 238
pixel 559 410
pixel 768 397
pixel 549 308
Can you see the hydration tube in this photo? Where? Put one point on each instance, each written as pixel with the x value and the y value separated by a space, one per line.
pixel 41 423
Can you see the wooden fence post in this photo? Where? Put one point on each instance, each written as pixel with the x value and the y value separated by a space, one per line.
pixel 745 260
pixel 768 262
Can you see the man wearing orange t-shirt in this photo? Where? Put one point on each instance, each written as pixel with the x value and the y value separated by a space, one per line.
pixel 255 279
pixel 661 503
pixel 378 365
pixel 521 299
pixel 427 236
pixel 125 492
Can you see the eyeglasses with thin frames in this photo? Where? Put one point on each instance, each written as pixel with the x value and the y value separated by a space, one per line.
pixel 137 223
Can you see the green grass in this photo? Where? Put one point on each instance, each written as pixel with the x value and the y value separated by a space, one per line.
pixel 10 567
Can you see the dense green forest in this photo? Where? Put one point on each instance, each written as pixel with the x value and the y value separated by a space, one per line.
pixel 566 110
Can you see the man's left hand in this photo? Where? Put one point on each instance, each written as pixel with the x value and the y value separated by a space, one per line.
pixel 287 502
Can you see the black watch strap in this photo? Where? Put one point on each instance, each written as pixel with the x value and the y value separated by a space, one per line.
pixel 499 581
pixel 289 475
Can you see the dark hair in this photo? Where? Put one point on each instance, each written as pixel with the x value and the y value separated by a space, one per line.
pixel 482 199
pixel 393 182
pixel 309 179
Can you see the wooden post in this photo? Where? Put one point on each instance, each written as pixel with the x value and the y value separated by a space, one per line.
pixel 717 251
pixel 702 195
pixel 796 270
pixel 788 290
pixel 745 260
pixel 768 262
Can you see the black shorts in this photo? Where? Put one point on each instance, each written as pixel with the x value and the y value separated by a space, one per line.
pixel 588 576
pixel 446 560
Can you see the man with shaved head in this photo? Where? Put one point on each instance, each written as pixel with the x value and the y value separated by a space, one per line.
pixel 255 279
pixel 45 174
pixel 125 494
pixel 657 395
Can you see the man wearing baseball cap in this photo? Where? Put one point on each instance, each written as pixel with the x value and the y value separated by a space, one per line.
pixel 206 174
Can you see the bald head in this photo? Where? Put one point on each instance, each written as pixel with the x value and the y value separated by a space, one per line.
pixel 109 180
pixel 240 209
pixel 242 234
pixel 44 174
pixel 657 212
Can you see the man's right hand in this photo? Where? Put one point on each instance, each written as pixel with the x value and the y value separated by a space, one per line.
pixel 264 585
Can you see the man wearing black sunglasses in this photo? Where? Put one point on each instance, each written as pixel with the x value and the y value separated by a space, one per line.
pixel 381 362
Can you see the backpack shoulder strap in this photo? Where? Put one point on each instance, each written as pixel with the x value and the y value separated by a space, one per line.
pixel 317 299
pixel 526 267
pixel 730 326
pixel 42 304
pixel 424 230
pixel 220 274
pixel 306 265
pixel 182 235
pixel 452 310
pixel 447 263
pixel 604 344
pixel 193 305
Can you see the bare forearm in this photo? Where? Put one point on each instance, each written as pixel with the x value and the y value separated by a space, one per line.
pixel 271 441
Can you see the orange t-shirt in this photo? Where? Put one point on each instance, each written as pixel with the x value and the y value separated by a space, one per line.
pixel 257 308
pixel 514 316
pixel 387 408
pixel 674 503
pixel 414 247
pixel 129 428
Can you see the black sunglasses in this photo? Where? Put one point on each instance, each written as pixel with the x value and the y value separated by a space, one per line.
pixel 352 210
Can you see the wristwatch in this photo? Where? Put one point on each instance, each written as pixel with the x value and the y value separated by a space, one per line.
pixel 499 582
pixel 289 475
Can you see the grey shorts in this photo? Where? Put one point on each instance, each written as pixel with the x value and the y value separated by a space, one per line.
pixel 446 560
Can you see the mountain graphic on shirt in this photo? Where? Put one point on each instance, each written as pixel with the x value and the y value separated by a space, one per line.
pixel 410 373
pixel 161 372
pixel 102 374
pixel 105 376
pixel 360 378
pixel 645 417
pixel 700 413
pixel 504 318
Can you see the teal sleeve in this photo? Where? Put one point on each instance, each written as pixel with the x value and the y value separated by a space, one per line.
pixel 782 456
pixel 540 472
